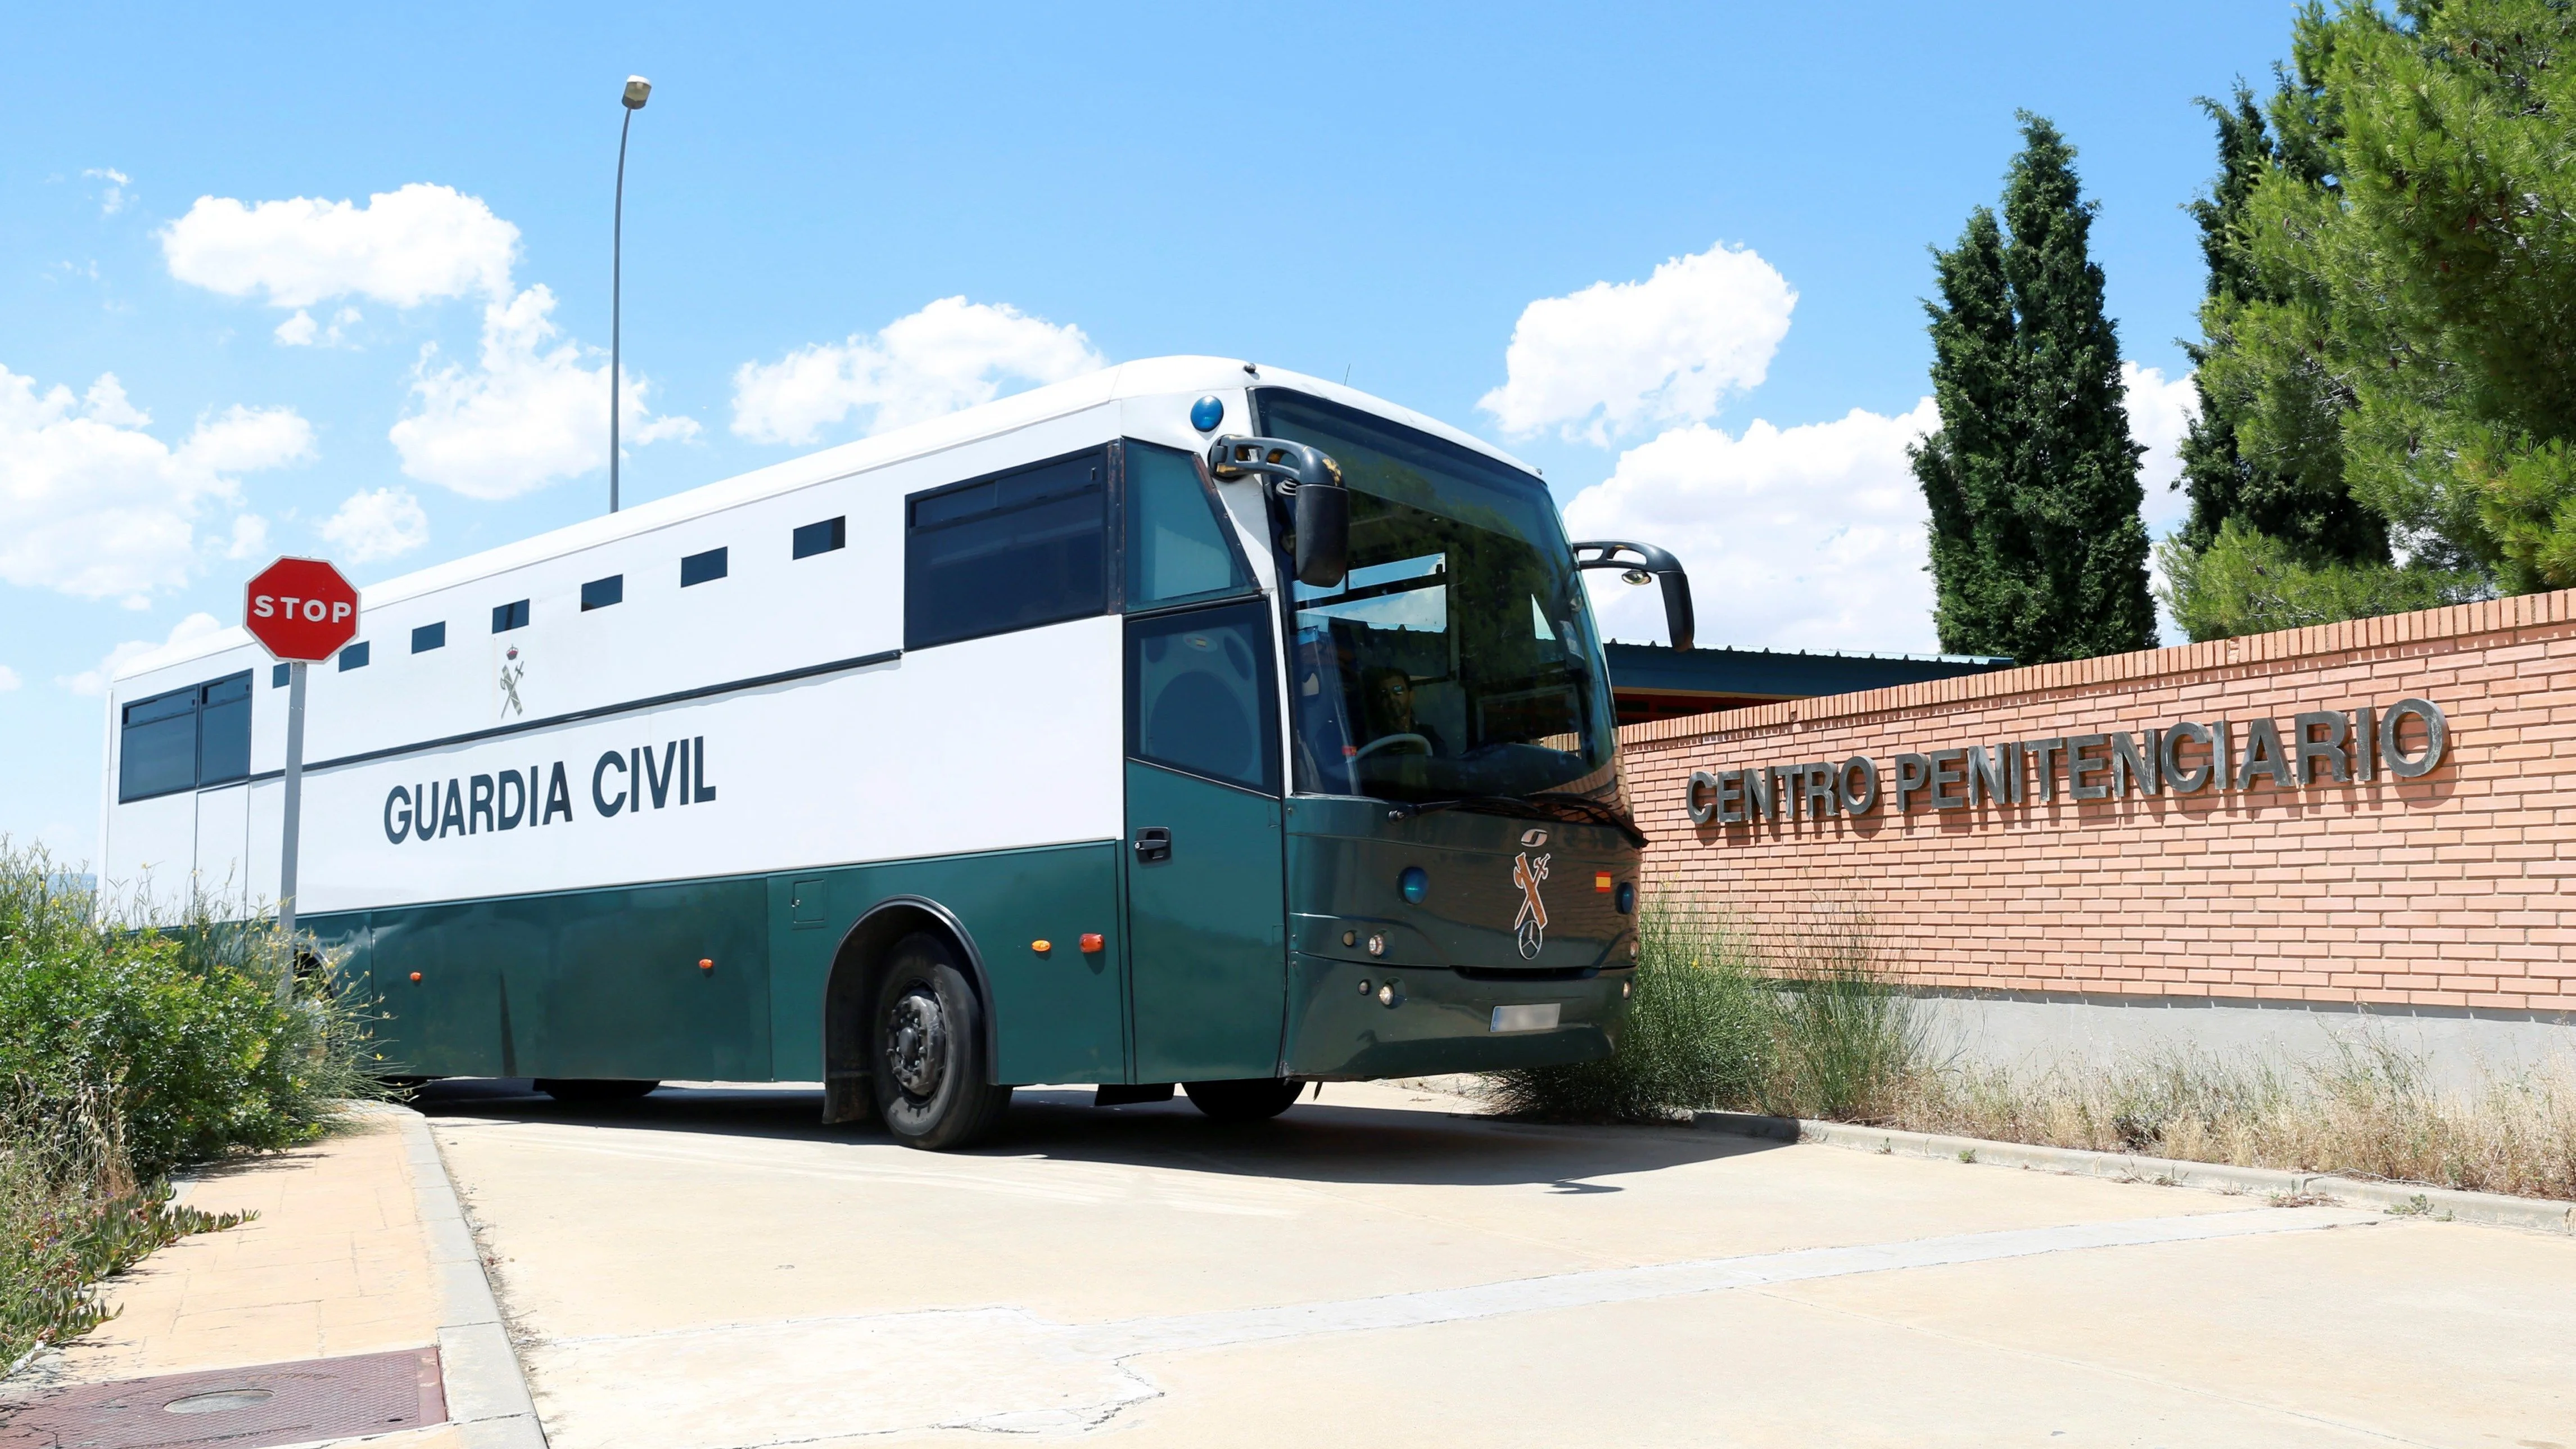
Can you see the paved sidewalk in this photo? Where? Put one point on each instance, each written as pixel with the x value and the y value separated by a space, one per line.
pixel 335 1264
pixel 358 1248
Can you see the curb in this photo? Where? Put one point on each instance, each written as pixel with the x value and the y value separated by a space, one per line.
pixel 487 1391
pixel 2402 1199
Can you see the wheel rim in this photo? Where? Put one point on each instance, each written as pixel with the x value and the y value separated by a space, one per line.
pixel 916 1045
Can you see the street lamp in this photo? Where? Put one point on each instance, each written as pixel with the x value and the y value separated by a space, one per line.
pixel 638 91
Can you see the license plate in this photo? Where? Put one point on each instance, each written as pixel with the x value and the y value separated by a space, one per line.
pixel 1541 1017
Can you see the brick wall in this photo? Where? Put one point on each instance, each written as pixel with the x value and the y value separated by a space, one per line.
pixel 2447 890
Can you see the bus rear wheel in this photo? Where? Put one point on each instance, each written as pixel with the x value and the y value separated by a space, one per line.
pixel 593 1089
pixel 1256 1100
pixel 927 1050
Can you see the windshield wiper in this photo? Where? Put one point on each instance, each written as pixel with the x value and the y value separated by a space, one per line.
pixel 1540 805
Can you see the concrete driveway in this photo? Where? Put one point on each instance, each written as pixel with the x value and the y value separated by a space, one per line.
pixel 706 1268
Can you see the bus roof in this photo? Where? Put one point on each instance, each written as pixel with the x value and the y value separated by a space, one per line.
pixel 1144 378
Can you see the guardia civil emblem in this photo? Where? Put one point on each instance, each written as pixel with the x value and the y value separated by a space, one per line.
pixel 512 671
pixel 1529 928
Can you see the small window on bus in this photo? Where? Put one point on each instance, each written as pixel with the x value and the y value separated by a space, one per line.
pixel 702 568
pixel 428 637
pixel 1178 542
pixel 600 593
pixel 1012 551
pixel 353 656
pixel 821 537
pixel 223 728
pixel 279 675
pixel 506 617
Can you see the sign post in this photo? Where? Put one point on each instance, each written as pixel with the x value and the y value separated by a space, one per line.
pixel 300 610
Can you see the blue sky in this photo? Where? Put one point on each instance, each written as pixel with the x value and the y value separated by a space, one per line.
pixel 1378 191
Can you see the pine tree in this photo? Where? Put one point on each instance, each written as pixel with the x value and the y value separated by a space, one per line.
pixel 2037 548
pixel 2292 494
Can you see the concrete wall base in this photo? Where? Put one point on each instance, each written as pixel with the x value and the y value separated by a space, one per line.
pixel 2035 1030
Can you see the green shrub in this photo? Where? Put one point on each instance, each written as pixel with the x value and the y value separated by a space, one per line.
pixel 1845 1042
pixel 1806 1028
pixel 1697 1020
pixel 127 1052
pixel 184 1025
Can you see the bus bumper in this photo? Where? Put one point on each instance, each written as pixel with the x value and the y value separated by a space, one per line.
pixel 1440 1021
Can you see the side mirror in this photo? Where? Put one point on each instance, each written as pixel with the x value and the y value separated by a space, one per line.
pixel 1648 561
pixel 1323 533
pixel 1311 483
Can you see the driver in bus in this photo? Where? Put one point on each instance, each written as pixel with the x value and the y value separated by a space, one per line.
pixel 1390 696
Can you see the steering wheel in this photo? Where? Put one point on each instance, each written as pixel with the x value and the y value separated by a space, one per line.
pixel 1382 741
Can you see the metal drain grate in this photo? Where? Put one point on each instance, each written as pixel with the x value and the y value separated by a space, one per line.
pixel 278 1403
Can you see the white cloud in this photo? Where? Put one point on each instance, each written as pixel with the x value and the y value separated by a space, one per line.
pixel 94 506
pixel 949 355
pixel 301 330
pixel 525 415
pixel 2160 414
pixel 113 196
pixel 8 679
pixel 249 538
pixel 1809 537
pixel 419 244
pixel 94 682
pixel 380 524
pixel 1616 359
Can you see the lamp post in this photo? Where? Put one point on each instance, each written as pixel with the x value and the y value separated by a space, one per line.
pixel 638 91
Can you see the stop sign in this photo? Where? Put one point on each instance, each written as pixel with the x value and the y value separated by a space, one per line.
pixel 301 609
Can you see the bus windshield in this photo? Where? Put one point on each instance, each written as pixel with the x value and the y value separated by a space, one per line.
pixel 1456 662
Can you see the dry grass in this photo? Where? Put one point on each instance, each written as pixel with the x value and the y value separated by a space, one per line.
pixel 2371 1110
pixel 1809 1023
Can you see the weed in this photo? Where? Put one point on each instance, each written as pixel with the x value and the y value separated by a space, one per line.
pixel 1967 1154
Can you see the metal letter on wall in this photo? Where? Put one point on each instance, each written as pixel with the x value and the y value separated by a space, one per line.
pixel 2437 737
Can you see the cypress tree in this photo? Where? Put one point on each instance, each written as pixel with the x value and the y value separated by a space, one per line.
pixel 2038 550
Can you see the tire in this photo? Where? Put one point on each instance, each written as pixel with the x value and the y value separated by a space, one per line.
pixel 1256 1100
pixel 593 1089
pixel 926 1050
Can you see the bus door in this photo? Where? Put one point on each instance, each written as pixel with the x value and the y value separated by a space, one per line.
pixel 1206 902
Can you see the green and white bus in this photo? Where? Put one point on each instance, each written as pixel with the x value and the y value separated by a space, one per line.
pixel 1184 723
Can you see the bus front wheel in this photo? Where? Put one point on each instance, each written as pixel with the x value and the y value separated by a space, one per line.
pixel 927 1051
pixel 1256 1100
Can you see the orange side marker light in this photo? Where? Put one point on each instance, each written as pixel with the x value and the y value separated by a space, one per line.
pixel 1601 881
pixel 1093 941
pixel 415 976
pixel 706 964
pixel 1042 947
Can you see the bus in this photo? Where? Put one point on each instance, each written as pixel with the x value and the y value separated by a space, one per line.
pixel 1185 724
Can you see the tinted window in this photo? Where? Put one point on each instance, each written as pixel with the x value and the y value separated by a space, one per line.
pixel 159 751
pixel 223 728
pixel 1177 542
pixel 506 617
pixel 699 568
pixel 1007 552
pixel 428 637
pixel 354 657
pixel 1199 695
pixel 821 537
pixel 186 738
pixel 600 593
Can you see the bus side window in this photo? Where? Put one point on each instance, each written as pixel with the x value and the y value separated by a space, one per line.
pixel 183 739
pixel 1178 544
pixel 1200 696
pixel 1012 551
